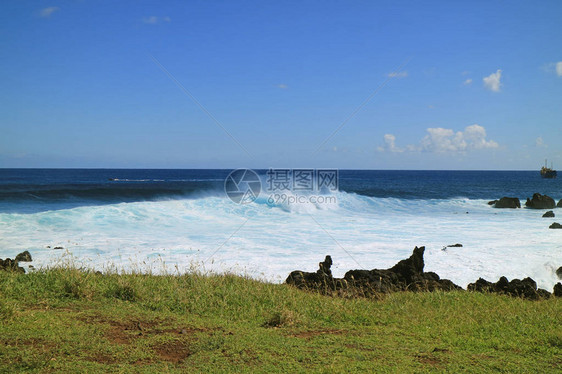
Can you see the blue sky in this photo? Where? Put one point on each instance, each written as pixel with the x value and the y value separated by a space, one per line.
pixel 409 84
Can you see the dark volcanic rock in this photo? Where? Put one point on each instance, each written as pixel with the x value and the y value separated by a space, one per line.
pixel 543 294
pixel 555 225
pixel 548 214
pixel 458 245
pixel 558 289
pixel 525 288
pixel 492 202
pixel 10 265
pixel 540 202
pixel 405 275
pixel 408 275
pixel 507 202
pixel 24 257
pixel 559 272
pixel 322 279
pixel 559 205
pixel 481 285
pixel 412 266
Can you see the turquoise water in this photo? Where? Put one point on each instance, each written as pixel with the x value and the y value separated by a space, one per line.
pixel 177 220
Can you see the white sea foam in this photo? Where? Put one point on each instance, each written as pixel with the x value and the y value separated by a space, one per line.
pixel 266 241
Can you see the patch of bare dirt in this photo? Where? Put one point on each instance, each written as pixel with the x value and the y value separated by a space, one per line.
pixel 116 334
pixel 102 358
pixel 127 332
pixel 432 358
pixel 123 332
pixel 174 351
pixel 39 344
pixel 428 359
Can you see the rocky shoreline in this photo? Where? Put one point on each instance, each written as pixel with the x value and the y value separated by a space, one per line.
pixel 408 275
pixel 538 201
pixel 13 265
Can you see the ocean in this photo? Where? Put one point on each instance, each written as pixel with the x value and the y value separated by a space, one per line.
pixel 177 221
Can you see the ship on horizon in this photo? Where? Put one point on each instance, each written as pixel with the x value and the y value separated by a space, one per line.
pixel 548 172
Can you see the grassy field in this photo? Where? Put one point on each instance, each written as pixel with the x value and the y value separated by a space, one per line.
pixel 66 320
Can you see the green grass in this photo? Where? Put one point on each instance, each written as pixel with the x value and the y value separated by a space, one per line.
pixel 67 320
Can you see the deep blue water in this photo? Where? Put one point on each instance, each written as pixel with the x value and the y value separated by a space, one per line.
pixel 28 190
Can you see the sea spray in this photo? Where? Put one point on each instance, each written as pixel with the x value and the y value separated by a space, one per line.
pixel 269 241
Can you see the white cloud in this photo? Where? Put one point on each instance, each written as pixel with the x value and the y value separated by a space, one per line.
pixel 467 82
pixel 446 140
pixel 153 20
pixel 475 136
pixel 492 81
pixel 553 67
pixel 440 140
pixel 150 20
pixel 389 144
pixel 396 74
pixel 282 86
pixel 539 142
pixel 45 13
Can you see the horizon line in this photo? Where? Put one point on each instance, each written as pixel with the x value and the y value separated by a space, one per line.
pixel 235 168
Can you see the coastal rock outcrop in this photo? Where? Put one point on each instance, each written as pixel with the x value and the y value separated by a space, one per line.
pixel 559 272
pixel 458 245
pixel 555 225
pixel 540 202
pixel 548 214
pixel 10 265
pixel 321 279
pixel 13 265
pixel 559 205
pixel 25 256
pixel 506 202
pixel 558 290
pixel 525 288
pixel 406 275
